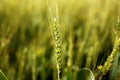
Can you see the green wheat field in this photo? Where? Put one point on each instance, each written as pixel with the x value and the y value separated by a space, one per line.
pixel 60 39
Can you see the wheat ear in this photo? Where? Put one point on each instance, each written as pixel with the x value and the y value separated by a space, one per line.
pixel 106 67
pixel 55 28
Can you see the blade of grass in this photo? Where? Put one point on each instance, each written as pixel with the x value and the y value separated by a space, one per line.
pixel 2 76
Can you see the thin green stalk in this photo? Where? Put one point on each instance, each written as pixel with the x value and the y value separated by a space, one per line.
pixel 89 58
pixel 33 65
pixel 70 52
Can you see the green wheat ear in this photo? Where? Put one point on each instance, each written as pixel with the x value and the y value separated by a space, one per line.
pixel 2 76
pixel 108 64
pixel 55 29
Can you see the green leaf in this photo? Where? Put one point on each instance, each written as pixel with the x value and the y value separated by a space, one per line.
pixel 85 74
pixel 2 76
pixel 69 75
pixel 115 67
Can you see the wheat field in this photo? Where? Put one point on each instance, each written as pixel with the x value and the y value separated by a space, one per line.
pixel 60 39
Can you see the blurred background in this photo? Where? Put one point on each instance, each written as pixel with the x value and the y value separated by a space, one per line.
pixel 27 45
